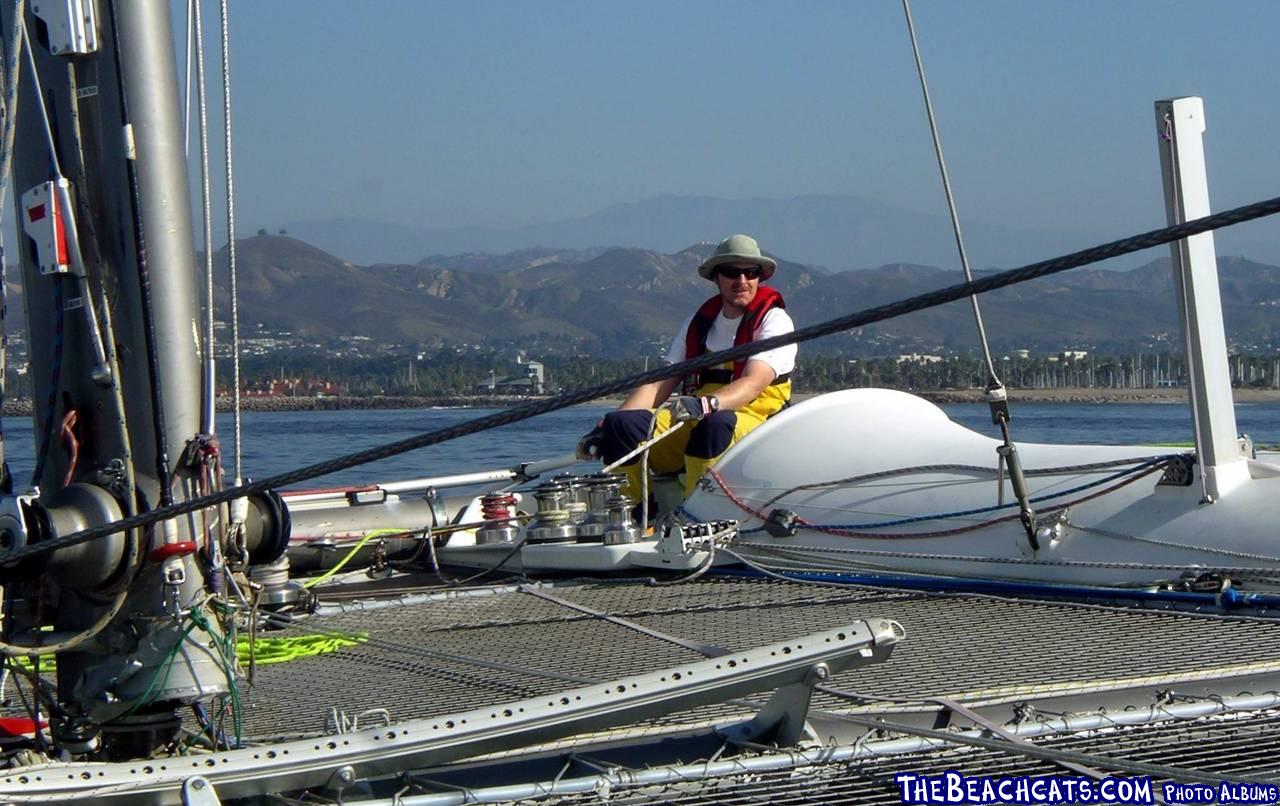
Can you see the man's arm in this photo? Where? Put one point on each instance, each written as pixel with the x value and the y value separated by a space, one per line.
pixel 652 395
pixel 756 375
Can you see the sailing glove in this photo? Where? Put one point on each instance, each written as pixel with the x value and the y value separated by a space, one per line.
pixel 589 446
pixel 691 409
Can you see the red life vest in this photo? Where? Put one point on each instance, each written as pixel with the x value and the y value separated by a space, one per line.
pixel 695 339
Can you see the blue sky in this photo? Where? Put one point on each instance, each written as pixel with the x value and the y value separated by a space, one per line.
pixel 430 113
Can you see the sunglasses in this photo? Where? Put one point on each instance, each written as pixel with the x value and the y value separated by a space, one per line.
pixel 734 272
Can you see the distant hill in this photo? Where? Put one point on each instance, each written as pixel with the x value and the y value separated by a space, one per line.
pixel 613 300
pixel 839 232
pixel 615 294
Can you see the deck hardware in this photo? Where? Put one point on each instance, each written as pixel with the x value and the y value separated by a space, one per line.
pixel 1009 455
pixel 781 523
pixel 1179 471
pixel 71 25
pixel 197 791
pixel 784 718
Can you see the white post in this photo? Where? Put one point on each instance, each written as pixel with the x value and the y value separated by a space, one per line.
pixel 1180 123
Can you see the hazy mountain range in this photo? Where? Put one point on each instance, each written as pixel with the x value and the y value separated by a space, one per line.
pixel 616 300
pixel 835 231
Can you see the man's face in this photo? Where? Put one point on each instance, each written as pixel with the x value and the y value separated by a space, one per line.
pixel 738 284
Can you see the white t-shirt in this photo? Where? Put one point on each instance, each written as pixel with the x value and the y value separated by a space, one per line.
pixel 720 337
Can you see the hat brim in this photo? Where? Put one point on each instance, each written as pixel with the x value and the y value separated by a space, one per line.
pixel 766 264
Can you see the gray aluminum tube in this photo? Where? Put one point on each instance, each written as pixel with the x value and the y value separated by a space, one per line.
pixel 824 755
pixel 151 89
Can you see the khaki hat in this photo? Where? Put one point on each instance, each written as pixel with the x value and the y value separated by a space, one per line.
pixel 738 249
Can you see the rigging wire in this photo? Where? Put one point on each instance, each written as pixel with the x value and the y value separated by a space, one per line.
pixel 186 93
pixel 44 111
pixel 525 411
pixel 992 378
pixel 997 397
pixel 208 422
pixel 231 234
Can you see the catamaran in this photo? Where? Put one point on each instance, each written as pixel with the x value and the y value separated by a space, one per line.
pixel 158 649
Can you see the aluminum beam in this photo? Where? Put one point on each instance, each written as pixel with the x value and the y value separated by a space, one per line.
pixel 430 742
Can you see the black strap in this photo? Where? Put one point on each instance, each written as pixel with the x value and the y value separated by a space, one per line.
pixel 726 376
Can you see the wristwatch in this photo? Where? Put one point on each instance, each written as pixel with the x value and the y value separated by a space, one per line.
pixel 713 403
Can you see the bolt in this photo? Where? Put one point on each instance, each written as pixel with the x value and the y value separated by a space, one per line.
pixel 197 784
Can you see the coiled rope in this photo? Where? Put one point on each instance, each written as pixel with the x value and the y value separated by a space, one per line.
pixel 525 411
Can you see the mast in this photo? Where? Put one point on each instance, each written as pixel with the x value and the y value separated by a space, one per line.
pixel 1222 467
pixel 108 270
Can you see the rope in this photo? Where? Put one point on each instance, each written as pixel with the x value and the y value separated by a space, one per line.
pixel 44 111
pixel 534 408
pixel 951 202
pixel 352 553
pixel 849 530
pixel 231 234
pixel 642 447
pixel 1060 470
pixel 55 380
pixel 12 69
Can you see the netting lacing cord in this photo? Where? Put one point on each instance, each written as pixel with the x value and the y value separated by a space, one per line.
pixel 525 411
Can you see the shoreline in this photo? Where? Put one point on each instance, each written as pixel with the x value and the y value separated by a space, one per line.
pixel 22 407
pixel 14 408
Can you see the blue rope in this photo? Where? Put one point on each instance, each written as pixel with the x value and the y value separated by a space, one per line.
pixel 1228 598
pixel 998 507
pixel 961 513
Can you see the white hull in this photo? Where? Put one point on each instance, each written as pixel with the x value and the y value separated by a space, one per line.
pixel 1137 534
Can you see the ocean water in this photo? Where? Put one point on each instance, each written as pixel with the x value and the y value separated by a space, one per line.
pixel 276 442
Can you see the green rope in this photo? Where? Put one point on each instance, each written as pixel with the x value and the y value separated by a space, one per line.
pixel 267 650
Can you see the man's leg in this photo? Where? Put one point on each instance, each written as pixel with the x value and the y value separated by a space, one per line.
pixel 624 430
pixel 711 438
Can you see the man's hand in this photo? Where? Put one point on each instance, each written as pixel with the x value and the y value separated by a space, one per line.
pixel 691 409
pixel 589 446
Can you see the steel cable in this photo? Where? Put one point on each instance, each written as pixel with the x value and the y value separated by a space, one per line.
pixel 231 235
pixel 993 379
pixel 525 411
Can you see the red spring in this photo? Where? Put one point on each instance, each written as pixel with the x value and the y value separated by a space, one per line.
pixel 498 506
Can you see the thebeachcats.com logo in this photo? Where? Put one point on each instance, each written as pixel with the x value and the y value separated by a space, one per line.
pixel 953 787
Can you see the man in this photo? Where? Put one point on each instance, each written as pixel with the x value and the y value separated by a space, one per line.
pixel 725 403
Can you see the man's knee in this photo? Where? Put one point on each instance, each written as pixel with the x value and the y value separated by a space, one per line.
pixel 713 435
pixel 623 431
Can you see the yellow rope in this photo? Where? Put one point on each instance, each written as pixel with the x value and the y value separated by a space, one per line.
pixel 266 650
pixel 283 650
pixel 371 535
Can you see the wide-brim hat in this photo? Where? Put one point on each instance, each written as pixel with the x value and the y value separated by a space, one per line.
pixel 738 249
